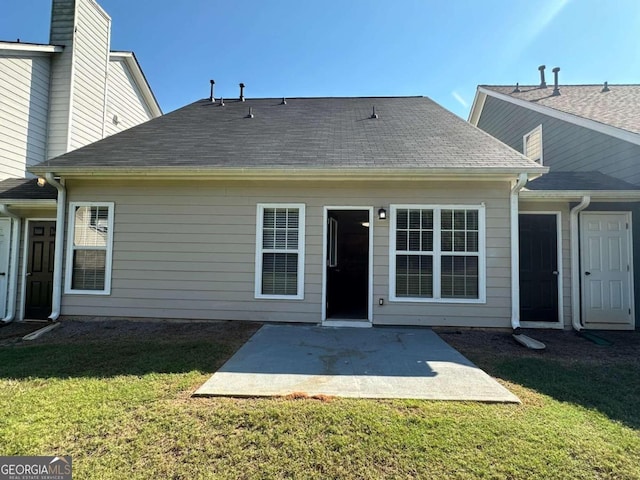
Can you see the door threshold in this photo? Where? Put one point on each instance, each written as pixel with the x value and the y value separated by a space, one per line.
pixel 347 323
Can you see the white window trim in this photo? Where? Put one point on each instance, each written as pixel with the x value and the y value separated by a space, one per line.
pixel 482 294
pixel 524 144
pixel 70 248
pixel 259 251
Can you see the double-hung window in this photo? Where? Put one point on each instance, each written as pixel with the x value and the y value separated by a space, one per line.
pixel 90 246
pixel 280 251
pixel 437 253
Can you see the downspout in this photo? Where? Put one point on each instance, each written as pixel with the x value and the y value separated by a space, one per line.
pixel 13 264
pixel 515 252
pixel 57 259
pixel 575 262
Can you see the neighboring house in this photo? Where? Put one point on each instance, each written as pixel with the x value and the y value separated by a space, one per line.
pixel 340 211
pixel 54 99
pixel 580 223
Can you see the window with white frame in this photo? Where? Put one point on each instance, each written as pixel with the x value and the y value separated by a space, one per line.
pixel 532 144
pixel 90 245
pixel 280 251
pixel 437 253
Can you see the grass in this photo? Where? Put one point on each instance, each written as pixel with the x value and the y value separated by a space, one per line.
pixel 122 409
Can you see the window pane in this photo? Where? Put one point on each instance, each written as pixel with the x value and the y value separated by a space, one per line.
pixel 459 277
pixel 280 229
pixel 414 219
pixel 414 276
pixel 292 218
pixel 427 219
pixel 446 219
pixel 91 225
pixel 414 240
pixel 427 241
pixel 472 241
pixel 472 220
pixel 269 218
pixel 268 238
pixel 402 240
pixel 402 219
pixel 88 269
pixel 280 273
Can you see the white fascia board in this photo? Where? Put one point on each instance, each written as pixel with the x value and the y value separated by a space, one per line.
pixel 11 48
pixel 29 203
pixel 610 130
pixel 476 108
pixel 577 195
pixel 141 81
pixel 466 174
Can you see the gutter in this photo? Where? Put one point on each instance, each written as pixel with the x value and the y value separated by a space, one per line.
pixel 515 251
pixel 57 259
pixel 575 262
pixel 13 264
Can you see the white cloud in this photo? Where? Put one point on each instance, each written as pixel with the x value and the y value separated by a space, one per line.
pixel 460 100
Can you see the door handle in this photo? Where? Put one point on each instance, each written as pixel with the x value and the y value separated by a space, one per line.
pixel 555 272
pixel 28 274
pixel 2 274
pixel 587 273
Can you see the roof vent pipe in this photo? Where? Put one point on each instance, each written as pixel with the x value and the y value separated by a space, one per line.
pixel 212 82
pixel 221 102
pixel 250 112
pixel 543 84
pixel 517 89
pixel 242 92
pixel 284 101
pixel 374 114
pixel 556 88
pixel 605 88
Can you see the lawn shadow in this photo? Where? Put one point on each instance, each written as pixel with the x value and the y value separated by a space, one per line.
pixel 110 359
pixel 612 389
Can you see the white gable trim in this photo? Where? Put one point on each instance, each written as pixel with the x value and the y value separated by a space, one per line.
pixel 29 48
pixel 132 64
pixel 610 130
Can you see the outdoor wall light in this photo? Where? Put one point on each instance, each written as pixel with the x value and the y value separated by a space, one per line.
pixel 382 214
pixel 41 182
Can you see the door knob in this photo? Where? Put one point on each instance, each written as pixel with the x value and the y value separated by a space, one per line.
pixel 28 274
pixel 555 272
pixel 2 274
pixel 587 273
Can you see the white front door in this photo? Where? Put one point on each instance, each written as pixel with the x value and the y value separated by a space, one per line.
pixel 5 234
pixel 606 270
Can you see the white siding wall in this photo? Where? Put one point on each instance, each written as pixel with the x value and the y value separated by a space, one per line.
pixel 187 250
pixel 90 61
pixel 124 99
pixel 24 100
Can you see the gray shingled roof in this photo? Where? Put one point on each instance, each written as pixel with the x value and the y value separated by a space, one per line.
pixel 305 133
pixel 619 107
pixel 582 181
pixel 25 189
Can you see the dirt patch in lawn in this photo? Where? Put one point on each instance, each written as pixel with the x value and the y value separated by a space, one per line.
pixel 72 331
pixel 562 345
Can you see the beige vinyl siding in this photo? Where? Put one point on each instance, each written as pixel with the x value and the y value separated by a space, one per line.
pixel 62 23
pixel 187 249
pixel 91 57
pixel 564 210
pixel 124 100
pixel 24 100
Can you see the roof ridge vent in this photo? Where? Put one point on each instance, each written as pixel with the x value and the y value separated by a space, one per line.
pixel 605 88
pixel 374 114
pixel 543 84
pixel 517 89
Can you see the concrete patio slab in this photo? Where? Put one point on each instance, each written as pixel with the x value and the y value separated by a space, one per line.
pixel 344 362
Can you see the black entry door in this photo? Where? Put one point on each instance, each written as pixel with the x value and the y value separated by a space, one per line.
pixel 538 268
pixel 42 237
pixel 348 264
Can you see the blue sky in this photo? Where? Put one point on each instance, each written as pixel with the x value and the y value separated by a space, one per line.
pixel 440 49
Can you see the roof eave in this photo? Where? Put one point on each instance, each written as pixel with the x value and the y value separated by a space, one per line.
pixel 297 173
pixel 568 195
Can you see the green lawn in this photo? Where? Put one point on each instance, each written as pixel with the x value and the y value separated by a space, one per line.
pixel 122 410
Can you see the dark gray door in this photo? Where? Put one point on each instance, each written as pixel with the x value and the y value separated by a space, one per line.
pixel 42 236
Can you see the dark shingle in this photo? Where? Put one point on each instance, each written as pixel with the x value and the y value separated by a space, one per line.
pixel 323 133
pixel 26 189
